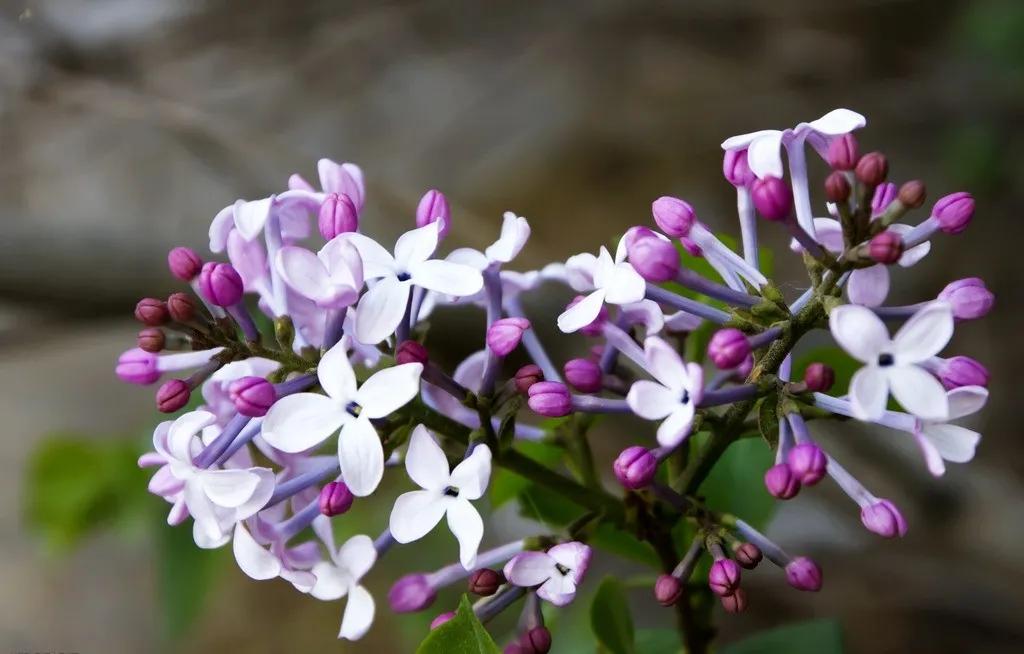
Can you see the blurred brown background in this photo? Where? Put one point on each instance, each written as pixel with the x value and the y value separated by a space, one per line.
pixel 126 124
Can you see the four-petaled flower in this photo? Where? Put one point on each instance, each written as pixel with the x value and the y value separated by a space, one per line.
pixel 340 577
pixel 940 441
pixel 674 396
pixel 614 281
pixel 556 573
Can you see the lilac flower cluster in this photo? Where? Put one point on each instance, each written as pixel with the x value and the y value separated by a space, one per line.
pixel 298 422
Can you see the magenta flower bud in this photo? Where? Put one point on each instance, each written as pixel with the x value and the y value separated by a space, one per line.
pixel 411 593
pixel 954 212
pixel 803 574
pixel 675 217
pixel 338 215
pixel 184 263
pixel 504 335
pixel 595 328
pixel 667 590
pixel 441 619
pixel 837 187
pixel 958 371
pixel 884 519
pixel 655 259
pixel 748 555
pixel 773 198
pixel 151 339
pixel 843 153
pixel 220 284
pixel 635 467
pixel 872 169
pixel 819 377
pixel 913 193
pixel 743 370
pixel 536 641
pixel 807 462
pixel 485 582
pixel 728 348
pixel 514 648
pixel 637 232
pixel 583 374
pixel 691 247
pixel 884 195
pixel 433 207
pixel 181 307
pixel 781 482
pixel 735 603
pixel 253 396
pixel 969 298
pixel 736 168
pixel 412 352
pixel 527 376
pixel 136 366
pixel 724 577
pixel 550 399
pixel 151 312
pixel 173 395
pixel 335 499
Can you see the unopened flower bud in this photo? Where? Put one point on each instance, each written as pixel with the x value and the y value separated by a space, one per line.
pixel 514 648
pixel 773 198
pixel 872 169
pixel 220 284
pixel 252 396
pixel 735 603
pixel 654 259
pixel 958 371
pixel 550 399
pixel 412 352
pixel 675 217
pixel 954 212
pixel 807 462
pixel 736 168
pixel 151 339
pixel 912 194
pixel 536 641
pixel 885 194
pixel 504 335
pixel 485 582
pixel 181 307
pixel 884 519
pixel 583 374
pixel 748 555
pixel 136 366
pixel 151 312
pixel 184 263
pixel 724 577
pixel 433 207
pixel 969 298
pixel 527 376
pixel 595 328
pixel 173 395
pixel 338 215
pixel 843 153
pixel 743 370
pixel 335 499
pixel 728 348
pixel 667 590
pixel 411 593
pixel 819 377
pixel 441 619
pixel 635 467
pixel 886 247
pixel 781 482
pixel 804 574
pixel 837 187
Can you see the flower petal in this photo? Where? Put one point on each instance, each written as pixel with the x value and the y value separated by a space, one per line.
pixel 624 285
pixel 953 443
pixel 514 233
pixel 467 525
pixel 763 154
pixel 416 513
pixel 447 277
pixel 859 331
pixel 358 614
pixel 221 227
pixel 304 272
pixel 966 400
pixel 582 313
pixel 250 217
pixel 919 392
pixel 416 246
pixel 252 558
pixel 573 555
pixel 665 364
pixel 361 456
pixel 425 461
pixel 357 555
pixel 559 590
pixel 298 422
pixel 331 582
pixel 925 334
pixel 377 262
pixel 389 389
pixel 838 121
pixel 335 374
pixel 932 458
pixel 381 310
pixel 743 141
pixel 676 427
pixel 869 390
pixel 229 488
pixel 650 400
pixel 471 475
pixel 869 286
pixel 529 569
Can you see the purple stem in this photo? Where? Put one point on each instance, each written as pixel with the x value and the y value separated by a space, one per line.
pixel 295 485
pixel 764 338
pixel 384 542
pixel 491 607
pixel 772 552
pixel 900 312
pixel 695 282
pixel 244 320
pixel 533 345
pixel 748 225
pixel 215 449
pixel 591 404
pixel 688 563
pixel 249 433
pixel 663 296
pixel 299 521
pixel 804 239
pixel 920 233
pixel 727 395
pixel 335 327
pixel 492 284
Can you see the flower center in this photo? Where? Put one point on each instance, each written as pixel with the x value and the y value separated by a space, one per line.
pixel 885 360
pixel 562 570
pixel 451 491
pixel 685 398
pixel 353 409
pixel 404 276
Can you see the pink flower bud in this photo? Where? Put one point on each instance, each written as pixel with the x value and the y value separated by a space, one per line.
pixel 635 467
pixel 781 482
pixel 184 263
pixel 969 298
pixel 667 590
pixel 748 555
pixel 411 593
pixel 338 215
pixel 504 335
pixel 735 603
pixel 736 168
pixel 583 374
pixel 595 328
pixel 954 212
pixel 220 284
pixel 433 207
pixel 958 371
pixel 675 217
pixel 884 519
pixel 728 348
pixel 151 339
pixel 181 307
pixel 872 169
pixel 804 574
pixel 136 366
pixel 485 582
pixel 536 641
pixel 411 352
pixel 527 376
pixel 912 194
pixel 773 198
pixel 252 396
pixel 151 312
pixel 335 499
pixel 837 187
pixel 843 152
pixel 173 395
pixel 808 463
pixel 550 399
pixel 885 194
pixel 441 619
pixel 724 577
pixel 655 259
pixel 819 377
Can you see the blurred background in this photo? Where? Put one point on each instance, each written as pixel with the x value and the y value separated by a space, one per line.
pixel 125 125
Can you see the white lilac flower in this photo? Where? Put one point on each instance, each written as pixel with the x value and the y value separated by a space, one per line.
pixel 382 308
pixel 673 397
pixel 262 553
pixel 614 281
pixel 445 493
pixel 299 422
pixel 332 278
pixel 340 577
pixel 293 208
pixel 894 364
pixel 556 573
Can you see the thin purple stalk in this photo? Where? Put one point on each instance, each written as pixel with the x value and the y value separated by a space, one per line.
pixel 728 395
pixel 299 521
pixel 533 345
pixel 695 282
pixel 684 570
pixel 384 542
pixel 241 315
pixel 215 449
pixel 758 341
pixel 804 239
pixel 295 485
pixel 335 327
pixel 920 233
pixel 663 296
pixel 492 285
pixel 748 226
pixel 898 313
pixel 251 430
pixel 772 552
pixel 800 432
pixel 487 609
pixel 591 404
pixel 617 338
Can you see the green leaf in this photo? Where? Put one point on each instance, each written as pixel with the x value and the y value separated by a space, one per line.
pixel 610 619
pixel 841 362
pixel 463 634
pixel 735 485
pixel 813 637
pixel 186 574
pixel 506 485
pixel 658 641
pixel 624 544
